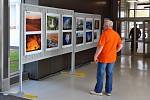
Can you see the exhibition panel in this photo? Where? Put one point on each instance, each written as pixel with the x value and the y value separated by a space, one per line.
pixel 87 31
pixel 32 32
pixel 46 32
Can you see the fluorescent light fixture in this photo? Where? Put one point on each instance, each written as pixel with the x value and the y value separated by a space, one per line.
pixel 132 1
pixel 147 7
pixel 101 3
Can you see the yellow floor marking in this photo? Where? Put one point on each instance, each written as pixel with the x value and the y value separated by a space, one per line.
pixel 30 96
pixel 76 74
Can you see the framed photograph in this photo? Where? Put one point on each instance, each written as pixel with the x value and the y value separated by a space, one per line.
pixel 89 36
pixel 33 21
pixel 52 22
pixel 88 23
pixel 33 42
pixel 79 38
pixel 96 24
pixel 79 24
pixel 52 40
pixel 67 38
pixel 96 35
pixel 67 22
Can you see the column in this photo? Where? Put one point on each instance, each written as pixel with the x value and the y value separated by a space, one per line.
pixel 4 44
pixel 148 38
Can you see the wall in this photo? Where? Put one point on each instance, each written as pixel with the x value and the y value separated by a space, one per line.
pixel 83 6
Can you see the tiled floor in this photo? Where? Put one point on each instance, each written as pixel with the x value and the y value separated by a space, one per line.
pixel 131 82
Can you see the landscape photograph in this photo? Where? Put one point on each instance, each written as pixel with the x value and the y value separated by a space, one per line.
pixel 52 40
pixel 33 21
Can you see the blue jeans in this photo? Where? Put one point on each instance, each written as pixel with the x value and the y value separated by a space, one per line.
pixel 102 67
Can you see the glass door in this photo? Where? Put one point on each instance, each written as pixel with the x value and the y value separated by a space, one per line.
pixel 146 38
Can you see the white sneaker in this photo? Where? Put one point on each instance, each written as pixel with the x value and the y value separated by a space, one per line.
pixel 94 93
pixel 108 94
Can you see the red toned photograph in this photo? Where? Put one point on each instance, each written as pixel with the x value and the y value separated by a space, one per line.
pixel 33 21
pixel 33 42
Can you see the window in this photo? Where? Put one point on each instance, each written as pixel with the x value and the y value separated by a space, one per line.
pixel 14 35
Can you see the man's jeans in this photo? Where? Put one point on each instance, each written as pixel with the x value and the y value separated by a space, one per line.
pixel 102 67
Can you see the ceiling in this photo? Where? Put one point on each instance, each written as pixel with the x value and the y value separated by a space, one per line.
pixel 84 6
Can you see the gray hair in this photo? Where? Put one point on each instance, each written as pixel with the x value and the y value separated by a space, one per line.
pixel 108 23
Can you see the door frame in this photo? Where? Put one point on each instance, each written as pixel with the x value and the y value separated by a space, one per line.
pixel 139 19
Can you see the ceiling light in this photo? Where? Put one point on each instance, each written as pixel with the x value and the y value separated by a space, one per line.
pixel 147 7
pixel 132 1
pixel 101 3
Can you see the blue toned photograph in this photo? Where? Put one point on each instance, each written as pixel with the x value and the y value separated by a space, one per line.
pixel 88 37
pixel 67 23
pixel 88 25
pixel 67 38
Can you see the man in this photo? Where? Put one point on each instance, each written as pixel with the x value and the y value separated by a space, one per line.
pixel 108 46
pixel 138 35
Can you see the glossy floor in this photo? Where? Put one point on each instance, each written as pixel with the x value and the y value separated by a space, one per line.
pixel 131 82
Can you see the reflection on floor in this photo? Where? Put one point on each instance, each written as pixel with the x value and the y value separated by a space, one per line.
pixel 127 47
pixel 131 82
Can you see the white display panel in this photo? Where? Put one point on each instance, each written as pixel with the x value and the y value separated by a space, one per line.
pixel 52 31
pixel 55 32
pixel 32 33
pixel 90 32
pixel 67 29
pixel 80 22
pixel 48 35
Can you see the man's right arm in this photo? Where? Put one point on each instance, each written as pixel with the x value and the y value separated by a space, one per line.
pixel 119 47
pixel 98 51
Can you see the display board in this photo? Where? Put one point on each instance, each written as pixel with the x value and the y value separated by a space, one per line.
pixel 33 31
pixel 48 32
pixel 67 24
pixel 52 30
pixel 45 32
pixel 87 31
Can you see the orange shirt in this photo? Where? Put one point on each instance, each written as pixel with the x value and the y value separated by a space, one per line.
pixel 110 40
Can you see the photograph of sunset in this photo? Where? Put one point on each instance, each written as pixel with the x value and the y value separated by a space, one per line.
pixel 33 21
